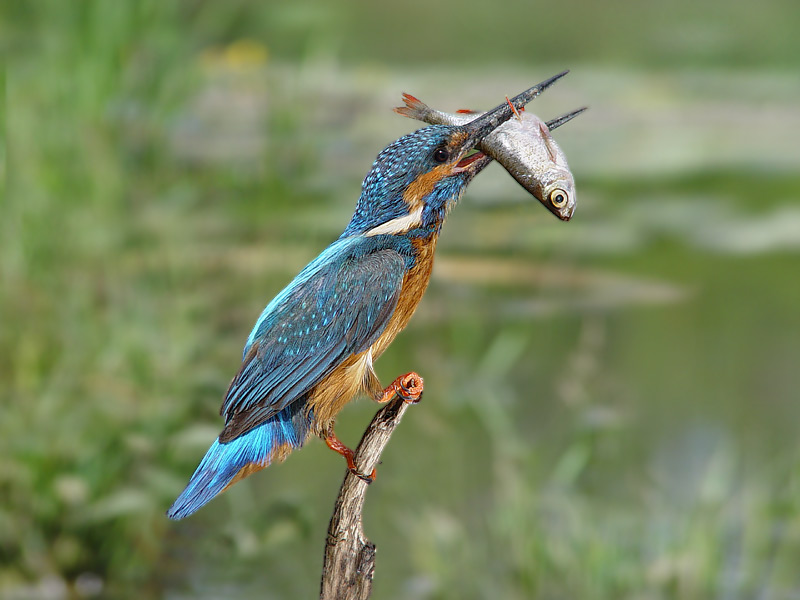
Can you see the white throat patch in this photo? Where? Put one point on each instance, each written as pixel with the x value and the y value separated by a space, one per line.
pixel 400 224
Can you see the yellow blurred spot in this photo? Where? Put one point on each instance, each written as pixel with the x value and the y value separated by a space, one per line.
pixel 236 56
pixel 245 53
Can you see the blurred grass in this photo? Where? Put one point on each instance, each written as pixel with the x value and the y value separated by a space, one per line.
pixel 612 403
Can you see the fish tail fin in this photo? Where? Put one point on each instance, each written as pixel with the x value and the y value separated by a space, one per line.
pixel 414 108
pixel 226 463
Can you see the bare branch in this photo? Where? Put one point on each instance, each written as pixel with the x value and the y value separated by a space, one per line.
pixel 349 556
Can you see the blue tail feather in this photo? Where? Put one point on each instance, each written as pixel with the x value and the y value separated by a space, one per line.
pixel 223 462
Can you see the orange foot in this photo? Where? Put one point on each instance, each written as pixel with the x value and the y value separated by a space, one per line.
pixel 408 387
pixel 337 445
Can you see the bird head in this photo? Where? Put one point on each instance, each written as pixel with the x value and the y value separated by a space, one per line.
pixel 416 180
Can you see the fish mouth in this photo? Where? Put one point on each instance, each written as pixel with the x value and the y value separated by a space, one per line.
pixel 561 202
pixel 563 215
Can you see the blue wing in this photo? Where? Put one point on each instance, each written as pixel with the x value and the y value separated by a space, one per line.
pixel 336 307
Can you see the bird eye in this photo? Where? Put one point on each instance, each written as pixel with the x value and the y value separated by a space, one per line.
pixel 441 155
pixel 558 198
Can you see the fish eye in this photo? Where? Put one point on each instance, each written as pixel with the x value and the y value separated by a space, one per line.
pixel 559 198
pixel 441 155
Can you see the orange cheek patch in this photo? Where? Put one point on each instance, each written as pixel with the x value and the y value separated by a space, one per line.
pixel 424 184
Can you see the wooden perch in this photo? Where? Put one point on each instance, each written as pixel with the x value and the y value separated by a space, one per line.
pixel 349 556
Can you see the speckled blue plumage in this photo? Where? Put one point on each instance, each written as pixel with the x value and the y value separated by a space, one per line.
pixel 335 308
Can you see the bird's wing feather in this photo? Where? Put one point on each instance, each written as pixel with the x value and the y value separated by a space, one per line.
pixel 319 321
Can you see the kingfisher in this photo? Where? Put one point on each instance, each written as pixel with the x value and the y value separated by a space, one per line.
pixel 312 348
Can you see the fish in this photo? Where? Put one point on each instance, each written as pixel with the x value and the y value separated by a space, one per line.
pixel 525 148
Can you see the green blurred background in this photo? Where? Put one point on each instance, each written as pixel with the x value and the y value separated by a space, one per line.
pixel 611 404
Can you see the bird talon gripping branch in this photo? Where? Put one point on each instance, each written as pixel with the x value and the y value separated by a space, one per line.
pixel 335 444
pixel 311 350
pixel 411 387
pixel 365 478
pixel 407 387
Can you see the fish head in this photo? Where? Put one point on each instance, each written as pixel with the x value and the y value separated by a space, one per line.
pixel 558 185
pixel 559 198
pixel 530 154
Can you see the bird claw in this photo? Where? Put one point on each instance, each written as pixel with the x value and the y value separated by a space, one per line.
pixel 365 478
pixel 408 388
pixel 337 446
pixel 410 391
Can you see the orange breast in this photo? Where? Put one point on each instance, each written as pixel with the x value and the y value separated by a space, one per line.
pixel 414 284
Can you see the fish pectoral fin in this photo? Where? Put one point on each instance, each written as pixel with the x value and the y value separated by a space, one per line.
pixel 549 143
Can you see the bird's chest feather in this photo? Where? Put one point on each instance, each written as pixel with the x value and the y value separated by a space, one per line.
pixel 415 282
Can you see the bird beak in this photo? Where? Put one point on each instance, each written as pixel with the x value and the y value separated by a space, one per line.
pixel 559 121
pixel 485 124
